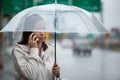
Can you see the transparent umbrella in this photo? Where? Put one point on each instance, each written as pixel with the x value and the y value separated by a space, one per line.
pixel 57 18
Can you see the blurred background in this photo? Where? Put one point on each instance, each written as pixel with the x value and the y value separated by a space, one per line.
pixel 80 56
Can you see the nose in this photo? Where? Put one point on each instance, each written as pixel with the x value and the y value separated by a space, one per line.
pixel 42 33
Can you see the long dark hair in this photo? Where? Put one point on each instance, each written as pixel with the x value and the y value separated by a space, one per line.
pixel 25 38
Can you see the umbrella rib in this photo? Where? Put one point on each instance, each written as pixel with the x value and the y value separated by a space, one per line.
pixel 92 21
pixel 84 21
pixel 97 28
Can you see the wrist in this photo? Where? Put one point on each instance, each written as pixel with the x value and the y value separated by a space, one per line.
pixel 33 46
pixel 33 51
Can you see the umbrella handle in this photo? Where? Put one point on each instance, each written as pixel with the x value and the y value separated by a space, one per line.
pixel 55 77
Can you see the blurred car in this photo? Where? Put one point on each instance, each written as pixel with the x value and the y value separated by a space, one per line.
pixel 82 46
pixel 66 43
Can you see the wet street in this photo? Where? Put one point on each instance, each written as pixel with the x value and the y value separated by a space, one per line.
pixel 100 65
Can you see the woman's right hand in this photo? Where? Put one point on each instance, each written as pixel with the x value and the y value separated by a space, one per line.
pixel 32 41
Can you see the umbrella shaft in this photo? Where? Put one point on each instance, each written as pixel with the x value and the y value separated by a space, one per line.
pixel 55 47
pixel 55 25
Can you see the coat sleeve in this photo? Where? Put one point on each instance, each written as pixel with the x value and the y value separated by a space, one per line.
pixel 28 65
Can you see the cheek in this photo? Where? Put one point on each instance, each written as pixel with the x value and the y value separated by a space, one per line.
pixel 43 38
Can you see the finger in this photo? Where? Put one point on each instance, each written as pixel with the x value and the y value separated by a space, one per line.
pixel 55 65
pixel 34 38
pixel 56 68
pixel 56 72
pixel 30 37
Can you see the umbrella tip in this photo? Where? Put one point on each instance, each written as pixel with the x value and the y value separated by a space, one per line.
pixel 55 1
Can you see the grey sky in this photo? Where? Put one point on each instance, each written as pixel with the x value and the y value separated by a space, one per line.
pixel 111 13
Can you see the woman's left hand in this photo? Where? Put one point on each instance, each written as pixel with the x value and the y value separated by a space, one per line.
pixel 56 70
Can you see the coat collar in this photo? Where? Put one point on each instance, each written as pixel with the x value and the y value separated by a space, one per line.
pixel 48 52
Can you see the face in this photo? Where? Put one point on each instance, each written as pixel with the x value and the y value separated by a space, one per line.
pixel 40 35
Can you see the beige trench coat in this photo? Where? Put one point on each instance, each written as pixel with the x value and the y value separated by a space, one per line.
pixel 30 66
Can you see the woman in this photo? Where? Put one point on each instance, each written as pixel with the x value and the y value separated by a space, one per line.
pixel 34 56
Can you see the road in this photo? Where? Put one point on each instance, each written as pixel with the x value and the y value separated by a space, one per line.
pixel 100 65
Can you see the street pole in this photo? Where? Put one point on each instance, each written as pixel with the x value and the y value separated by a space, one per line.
pixel 1 37
pixel 102 55
pixel 35 2
pixel 70 2
pixel 25 4
pixel 0 15
pixel 101 12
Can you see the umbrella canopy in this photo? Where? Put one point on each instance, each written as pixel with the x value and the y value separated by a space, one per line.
pixel 57 18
